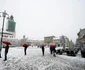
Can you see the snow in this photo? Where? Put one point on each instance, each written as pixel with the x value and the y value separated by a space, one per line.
pixel 61 47
pixel 35 61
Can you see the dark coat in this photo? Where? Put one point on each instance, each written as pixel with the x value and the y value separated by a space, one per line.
pixel 7 48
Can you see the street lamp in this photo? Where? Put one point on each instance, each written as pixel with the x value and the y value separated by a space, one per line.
pixel 4 14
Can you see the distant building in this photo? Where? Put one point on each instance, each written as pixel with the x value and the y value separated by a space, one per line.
pixel 36 42
pixel 56 41
pixel 48 39
pixel 23 40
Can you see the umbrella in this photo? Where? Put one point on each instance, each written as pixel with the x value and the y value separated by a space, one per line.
pixel 25 45
pixel 6 42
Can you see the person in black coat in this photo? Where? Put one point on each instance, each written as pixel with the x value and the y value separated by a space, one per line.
pixel 6 51
pixel 25 48
pixel 50 49
pixel 53 50
pixel 0 50
pixel 43 49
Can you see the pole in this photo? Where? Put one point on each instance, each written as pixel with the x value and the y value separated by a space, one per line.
pixel 2 30
pixel 2 33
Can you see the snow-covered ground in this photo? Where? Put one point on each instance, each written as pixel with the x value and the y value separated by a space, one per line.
pixel 35 61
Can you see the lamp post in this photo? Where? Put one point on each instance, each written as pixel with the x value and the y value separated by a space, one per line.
pixel 4 14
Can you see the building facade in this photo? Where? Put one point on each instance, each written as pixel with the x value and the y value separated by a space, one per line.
pixel 9 33
pixel 56 41
pixel 48 39
pixel 81 37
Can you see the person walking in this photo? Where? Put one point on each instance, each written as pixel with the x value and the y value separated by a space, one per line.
pixel 43 49
pixel 54 50
pixel 25 48
pixel 6 51
pixel 0 50
pixel 50 49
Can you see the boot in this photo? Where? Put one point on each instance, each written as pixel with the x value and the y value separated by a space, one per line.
pixel 0 55
pixel 5 58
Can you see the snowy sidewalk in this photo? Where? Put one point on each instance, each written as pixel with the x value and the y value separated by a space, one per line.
pixel 35 61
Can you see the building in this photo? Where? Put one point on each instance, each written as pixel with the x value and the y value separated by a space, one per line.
pixel 9 33
pixel 81 35
pixel 23 40
pixel 36 42
pixel 80 43
pixel 48 39
pixel 11 24
pixel 56 41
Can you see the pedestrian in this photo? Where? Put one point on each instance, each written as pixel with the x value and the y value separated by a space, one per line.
pixel 25 48
pixel 0 50
pixel 52 49
pixel 6 51
pixel 43 49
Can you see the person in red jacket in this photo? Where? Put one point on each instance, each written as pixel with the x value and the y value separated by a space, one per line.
pixel 6 51
pixel 53 50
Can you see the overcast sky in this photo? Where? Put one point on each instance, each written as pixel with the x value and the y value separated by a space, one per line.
pixel 39 18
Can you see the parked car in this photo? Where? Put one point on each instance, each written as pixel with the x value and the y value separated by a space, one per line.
pixel 59 50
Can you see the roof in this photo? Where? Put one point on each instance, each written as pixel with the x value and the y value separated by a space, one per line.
pixel 6 33
pixel 80 31
pixel 82 36
pixel 56 38
pixel 50 36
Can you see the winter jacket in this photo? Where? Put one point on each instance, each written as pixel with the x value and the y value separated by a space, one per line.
pixel 7 48
pixel 52 46
pixel 42 46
